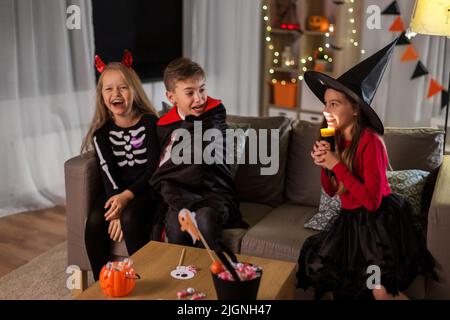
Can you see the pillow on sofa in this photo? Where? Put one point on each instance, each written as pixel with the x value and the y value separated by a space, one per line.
pixel 250 184
pixel 302 175
pixel 407 183
pixel 328 209
pixel 410 184
pixel 427 144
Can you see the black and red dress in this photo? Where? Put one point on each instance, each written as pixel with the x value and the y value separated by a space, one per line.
pixel 374 228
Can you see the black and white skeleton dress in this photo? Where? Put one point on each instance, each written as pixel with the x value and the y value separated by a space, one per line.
pixel 126 157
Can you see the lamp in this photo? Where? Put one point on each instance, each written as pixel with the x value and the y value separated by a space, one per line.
pixel 432 17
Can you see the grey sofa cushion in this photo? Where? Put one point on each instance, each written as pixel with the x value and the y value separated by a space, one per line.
pixel 250 184
pixel 280 234
pixel 302 175
pixel 252 213
pixel 425 143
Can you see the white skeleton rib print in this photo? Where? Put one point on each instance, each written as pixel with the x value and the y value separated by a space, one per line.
pixel 127 145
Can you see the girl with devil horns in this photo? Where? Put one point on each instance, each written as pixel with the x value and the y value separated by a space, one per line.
pixel 123 135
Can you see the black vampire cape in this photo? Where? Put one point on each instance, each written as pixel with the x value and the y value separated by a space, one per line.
pixel 194 186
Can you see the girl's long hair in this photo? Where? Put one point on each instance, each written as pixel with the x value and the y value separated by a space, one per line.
pixel 141 103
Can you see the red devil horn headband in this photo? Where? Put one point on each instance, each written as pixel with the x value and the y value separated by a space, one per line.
pixel 127 60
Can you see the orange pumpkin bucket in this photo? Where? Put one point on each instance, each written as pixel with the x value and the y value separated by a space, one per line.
pixel 118 278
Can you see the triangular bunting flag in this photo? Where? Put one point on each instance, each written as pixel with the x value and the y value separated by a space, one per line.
pixel 410 54
pixel 403 39
pixel 419 71
pixel 397 26
pixel 444 99
pixel 392 9
pixel 435 87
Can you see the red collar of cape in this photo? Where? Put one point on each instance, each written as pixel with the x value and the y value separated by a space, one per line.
pixel 172 116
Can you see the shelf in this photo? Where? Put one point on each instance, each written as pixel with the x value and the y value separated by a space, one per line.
pixel 285 31
pixel 283 108
pixel 311 111
pixel 288 70
pixel 302 43
pixel 315 33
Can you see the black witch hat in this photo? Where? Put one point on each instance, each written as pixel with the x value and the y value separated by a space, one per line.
pixel 360 83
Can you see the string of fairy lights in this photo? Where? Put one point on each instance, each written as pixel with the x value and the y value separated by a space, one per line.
pixel 305 60
pixel 353 35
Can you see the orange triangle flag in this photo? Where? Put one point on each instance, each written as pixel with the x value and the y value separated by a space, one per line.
pixel 410 54
pixel 434 88
pixel 397 25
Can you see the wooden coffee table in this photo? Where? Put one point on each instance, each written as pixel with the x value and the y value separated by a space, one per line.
pixel 156 260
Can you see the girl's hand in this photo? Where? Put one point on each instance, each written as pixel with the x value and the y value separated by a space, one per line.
pixel 115 230
pixel 319 149
pixel 116 204
pixel 327 160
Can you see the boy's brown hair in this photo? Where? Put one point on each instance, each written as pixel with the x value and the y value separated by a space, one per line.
pixel 181 69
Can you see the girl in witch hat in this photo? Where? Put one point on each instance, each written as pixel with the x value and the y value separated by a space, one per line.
pixel 374 227
pixel 123 135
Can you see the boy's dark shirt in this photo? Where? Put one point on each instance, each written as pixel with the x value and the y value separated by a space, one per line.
pixel 194 186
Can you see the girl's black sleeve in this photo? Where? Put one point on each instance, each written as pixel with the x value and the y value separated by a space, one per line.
pixel 106 163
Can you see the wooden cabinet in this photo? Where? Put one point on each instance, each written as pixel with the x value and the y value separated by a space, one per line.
pixel 299 36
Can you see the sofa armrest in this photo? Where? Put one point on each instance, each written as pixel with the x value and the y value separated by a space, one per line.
pixel 83 185
pixel 438 233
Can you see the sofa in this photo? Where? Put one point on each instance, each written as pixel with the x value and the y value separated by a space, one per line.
pixel 277 206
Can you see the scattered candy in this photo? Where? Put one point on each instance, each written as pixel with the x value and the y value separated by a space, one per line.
pixel 182 294
pixel 192 268
pixel 190 290
pixel 198 296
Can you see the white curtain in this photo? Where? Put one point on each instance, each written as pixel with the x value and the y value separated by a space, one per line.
pixel 400 101
pixel 224 37
pixel 46 98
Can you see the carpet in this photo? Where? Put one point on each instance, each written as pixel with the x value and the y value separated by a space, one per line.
pixel 43 278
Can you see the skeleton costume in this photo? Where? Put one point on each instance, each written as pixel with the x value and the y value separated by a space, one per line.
pixel 126 158
pixel 207 189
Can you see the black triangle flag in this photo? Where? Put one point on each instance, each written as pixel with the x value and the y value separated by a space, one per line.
pixel 393 9
pixel 444 99
pixel 403 39
pixel 419 71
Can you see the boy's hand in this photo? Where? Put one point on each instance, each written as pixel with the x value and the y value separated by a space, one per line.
pixel 115 230
pixel 116 204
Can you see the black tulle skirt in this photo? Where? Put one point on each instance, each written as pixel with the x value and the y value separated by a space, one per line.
pixel 337 260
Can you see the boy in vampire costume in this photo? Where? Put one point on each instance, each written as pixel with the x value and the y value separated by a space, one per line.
pixel 183 179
